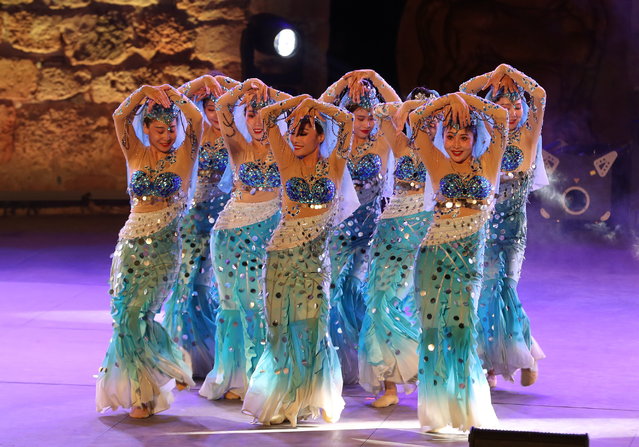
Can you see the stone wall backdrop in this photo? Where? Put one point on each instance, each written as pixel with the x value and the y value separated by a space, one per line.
pixel 65 65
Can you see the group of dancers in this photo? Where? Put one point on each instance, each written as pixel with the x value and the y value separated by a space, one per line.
pixel 298 244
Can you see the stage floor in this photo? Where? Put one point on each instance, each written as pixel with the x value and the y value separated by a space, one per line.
pixel 581 294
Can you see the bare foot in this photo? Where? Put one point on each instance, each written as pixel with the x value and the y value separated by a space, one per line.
pixel 230 395
pixel 139 412
pixel 385 400
pixel 326 417
pixel 491 378
pixel 528 377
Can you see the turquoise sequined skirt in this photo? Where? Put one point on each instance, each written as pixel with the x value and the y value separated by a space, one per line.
pixel 189 314
pixel 299 373
pixel 505 340
pixel 142 361
pixel 238 259
pixel 389 335
pixel 349 251
pixel 452 385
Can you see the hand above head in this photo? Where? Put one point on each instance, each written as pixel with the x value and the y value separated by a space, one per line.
pixel 458 111
pixel 157 94
pixel 508 84
pixel 257 87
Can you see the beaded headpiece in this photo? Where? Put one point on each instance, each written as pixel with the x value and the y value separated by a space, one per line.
pixel 512 97
pixel 422 96
pixel 474 119
pixel 367 100
pixel 165 115
pixel 256 103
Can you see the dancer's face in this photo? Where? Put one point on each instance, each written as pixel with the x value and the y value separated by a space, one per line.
pixel 211 114
pixel 305 140
pixel 254 124
pixel 161 136
pixel 514 111
pixel 458 143
pixel 363 123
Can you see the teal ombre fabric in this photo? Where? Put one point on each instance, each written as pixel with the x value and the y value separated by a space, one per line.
pixel 238 259
pixel 452 386
pixel 505 341
pixel 142 360
pixel 189 314
pixel 349 251
pixel 389 336
pixel 299 373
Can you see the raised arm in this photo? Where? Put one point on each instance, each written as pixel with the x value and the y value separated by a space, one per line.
pixel 333 92
pixel 476 84
pixel 279 146
pixel 393 135
pixel 193 117
pixel 385 90
pixel 123 115
pixel 202 86
pixel 497 127
pixel 344 121
pixel 536 92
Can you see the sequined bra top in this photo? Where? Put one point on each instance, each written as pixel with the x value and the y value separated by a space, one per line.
pixel 365 168
pixel 254 176
pixel 164 185
pixel 512 159
pixel 212 158
pixel 406 171
pixel 453 186
pixel 319 192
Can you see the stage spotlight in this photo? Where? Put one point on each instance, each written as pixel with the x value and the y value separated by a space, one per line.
pixel 285 42
pixel 272 50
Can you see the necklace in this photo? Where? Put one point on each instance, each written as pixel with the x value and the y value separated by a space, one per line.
pixel 161 164
pixel 362 148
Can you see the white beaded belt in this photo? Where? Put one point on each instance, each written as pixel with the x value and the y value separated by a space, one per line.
pixel 240 214
pixel 294 232
pixel 447 230
pixel 403 205
pixel 144 224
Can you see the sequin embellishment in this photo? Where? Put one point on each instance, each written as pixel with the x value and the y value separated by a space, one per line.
pixel 213 158
pixel 512 159
pixel 453 186
pixel 406 170
pixel 322 191
pixel 164 185
pixel 366 167
pixel 251 175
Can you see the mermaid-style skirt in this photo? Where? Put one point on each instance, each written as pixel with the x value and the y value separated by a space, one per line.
pixel 452 386
pixel 238 260
pixel 389 336
pixel 505 340
pixel 349 251
pixel 299 373
pixel 142 363
pixel 189 314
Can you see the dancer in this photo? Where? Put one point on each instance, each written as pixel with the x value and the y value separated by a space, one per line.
pixel 239 240
pixel 299 373
pixel 505 340
pixel 463 164
pixel 357 92
pixel 389 337
pixel 159 131
pixel 189 314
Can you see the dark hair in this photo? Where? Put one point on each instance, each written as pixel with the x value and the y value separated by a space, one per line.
pixel 421 91
pixel 215 73
pixel 306 121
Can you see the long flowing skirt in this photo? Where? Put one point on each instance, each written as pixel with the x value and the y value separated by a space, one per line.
pixel 239 255
pixel 452 386
pixel 299 373
pixel 142 363
pixel 189 314
pixel 505 340
pixel 349 251
pixel 389 336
